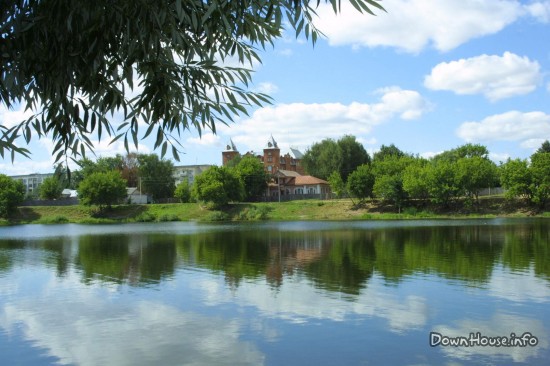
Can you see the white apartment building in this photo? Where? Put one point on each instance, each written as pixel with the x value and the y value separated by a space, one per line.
pixel 188 172
pixel 31 182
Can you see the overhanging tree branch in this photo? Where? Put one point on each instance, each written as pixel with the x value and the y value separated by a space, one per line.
pixel 75 63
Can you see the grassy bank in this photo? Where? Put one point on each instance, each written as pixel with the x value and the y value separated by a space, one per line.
pixel 293 210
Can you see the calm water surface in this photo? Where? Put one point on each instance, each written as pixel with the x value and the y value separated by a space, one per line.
pixel 300 293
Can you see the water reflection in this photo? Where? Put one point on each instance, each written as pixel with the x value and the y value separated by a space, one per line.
pixel 184 293
pixel 137 259
pixel 98 330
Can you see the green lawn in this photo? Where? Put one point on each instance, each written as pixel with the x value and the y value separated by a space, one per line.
pixel 293 210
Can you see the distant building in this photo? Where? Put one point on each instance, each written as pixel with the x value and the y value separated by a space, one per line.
pixel 69 193
pixel 188 172
pixel 229 153
pixel 135 196
pixel 292 185
pixel 271 158
pixel 32 182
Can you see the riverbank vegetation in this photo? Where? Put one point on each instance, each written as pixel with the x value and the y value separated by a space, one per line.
pixel 337 209
pixel 394 184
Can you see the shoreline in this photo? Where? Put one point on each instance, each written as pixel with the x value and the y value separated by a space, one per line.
pixel 306 210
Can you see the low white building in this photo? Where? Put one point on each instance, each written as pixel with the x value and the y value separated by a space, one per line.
pixel 134 196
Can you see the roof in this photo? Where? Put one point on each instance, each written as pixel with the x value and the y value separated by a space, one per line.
pixel 271 143
pixel 69 193
pixel 287 173
pixel 303 180
pixel 295 153
pixel 231 146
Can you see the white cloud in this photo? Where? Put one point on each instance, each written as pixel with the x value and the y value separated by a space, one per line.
pixel 105 148
pixel 79 333
pixel 532 144
pixel 509 126
pixel 266 88
pixel 498 157
pixel 12 117
pixel 525 288
pixel 299 302
pixel 443 24
pixel 429 154
pixel 496 77
pixel 207 139
pixel 300 124
pixel 27 167
pixel 287 52
pixel 540 11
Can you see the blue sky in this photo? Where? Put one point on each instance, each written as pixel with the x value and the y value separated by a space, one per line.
pixel 427 76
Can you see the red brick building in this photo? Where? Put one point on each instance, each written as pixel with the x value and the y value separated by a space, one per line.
pixel 288 179
pixel 271 158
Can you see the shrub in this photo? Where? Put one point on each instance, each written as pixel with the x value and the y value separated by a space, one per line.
pixel 168 217
pixel 102 189
pixel 145 217
pixel 12 193
pixel 217 216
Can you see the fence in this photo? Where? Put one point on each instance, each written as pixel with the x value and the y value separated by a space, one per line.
pixel 295 197
pixel 60 202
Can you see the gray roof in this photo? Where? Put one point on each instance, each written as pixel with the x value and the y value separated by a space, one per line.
pixel 295 153
pixel 271 143
pixel 287 173
pixel 231 146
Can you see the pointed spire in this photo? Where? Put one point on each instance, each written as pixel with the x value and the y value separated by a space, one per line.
pixel 231 146
pixel 271 143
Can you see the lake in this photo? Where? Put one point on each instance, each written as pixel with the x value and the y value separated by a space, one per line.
pixel 432 292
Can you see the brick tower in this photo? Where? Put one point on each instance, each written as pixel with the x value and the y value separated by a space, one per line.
pixel 229 153
pixel 272 156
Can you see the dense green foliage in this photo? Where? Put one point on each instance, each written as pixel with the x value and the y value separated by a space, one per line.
pixel 50 189
pixel 544 148
pixel 540 168
pixel 443 182
pixel 388 170
pixel 337 185
pixel 387 151
pixel 516 178
pixel 415 179
pixel 353 154
pixel 77 61
pixel 252 174
pixel 183 192
pixel 361 182
pixel 102 189
pixel 12 193
pixel 528 179
pixel 327 156
pixel 217 186
pixel 157 176
pixel 476 173
pixel 323 158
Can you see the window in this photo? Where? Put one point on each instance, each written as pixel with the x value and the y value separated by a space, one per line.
pixel 269 168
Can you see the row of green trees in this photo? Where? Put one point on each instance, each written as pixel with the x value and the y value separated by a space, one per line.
pixel 243 180
pixel 395 177
pixel 102 182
